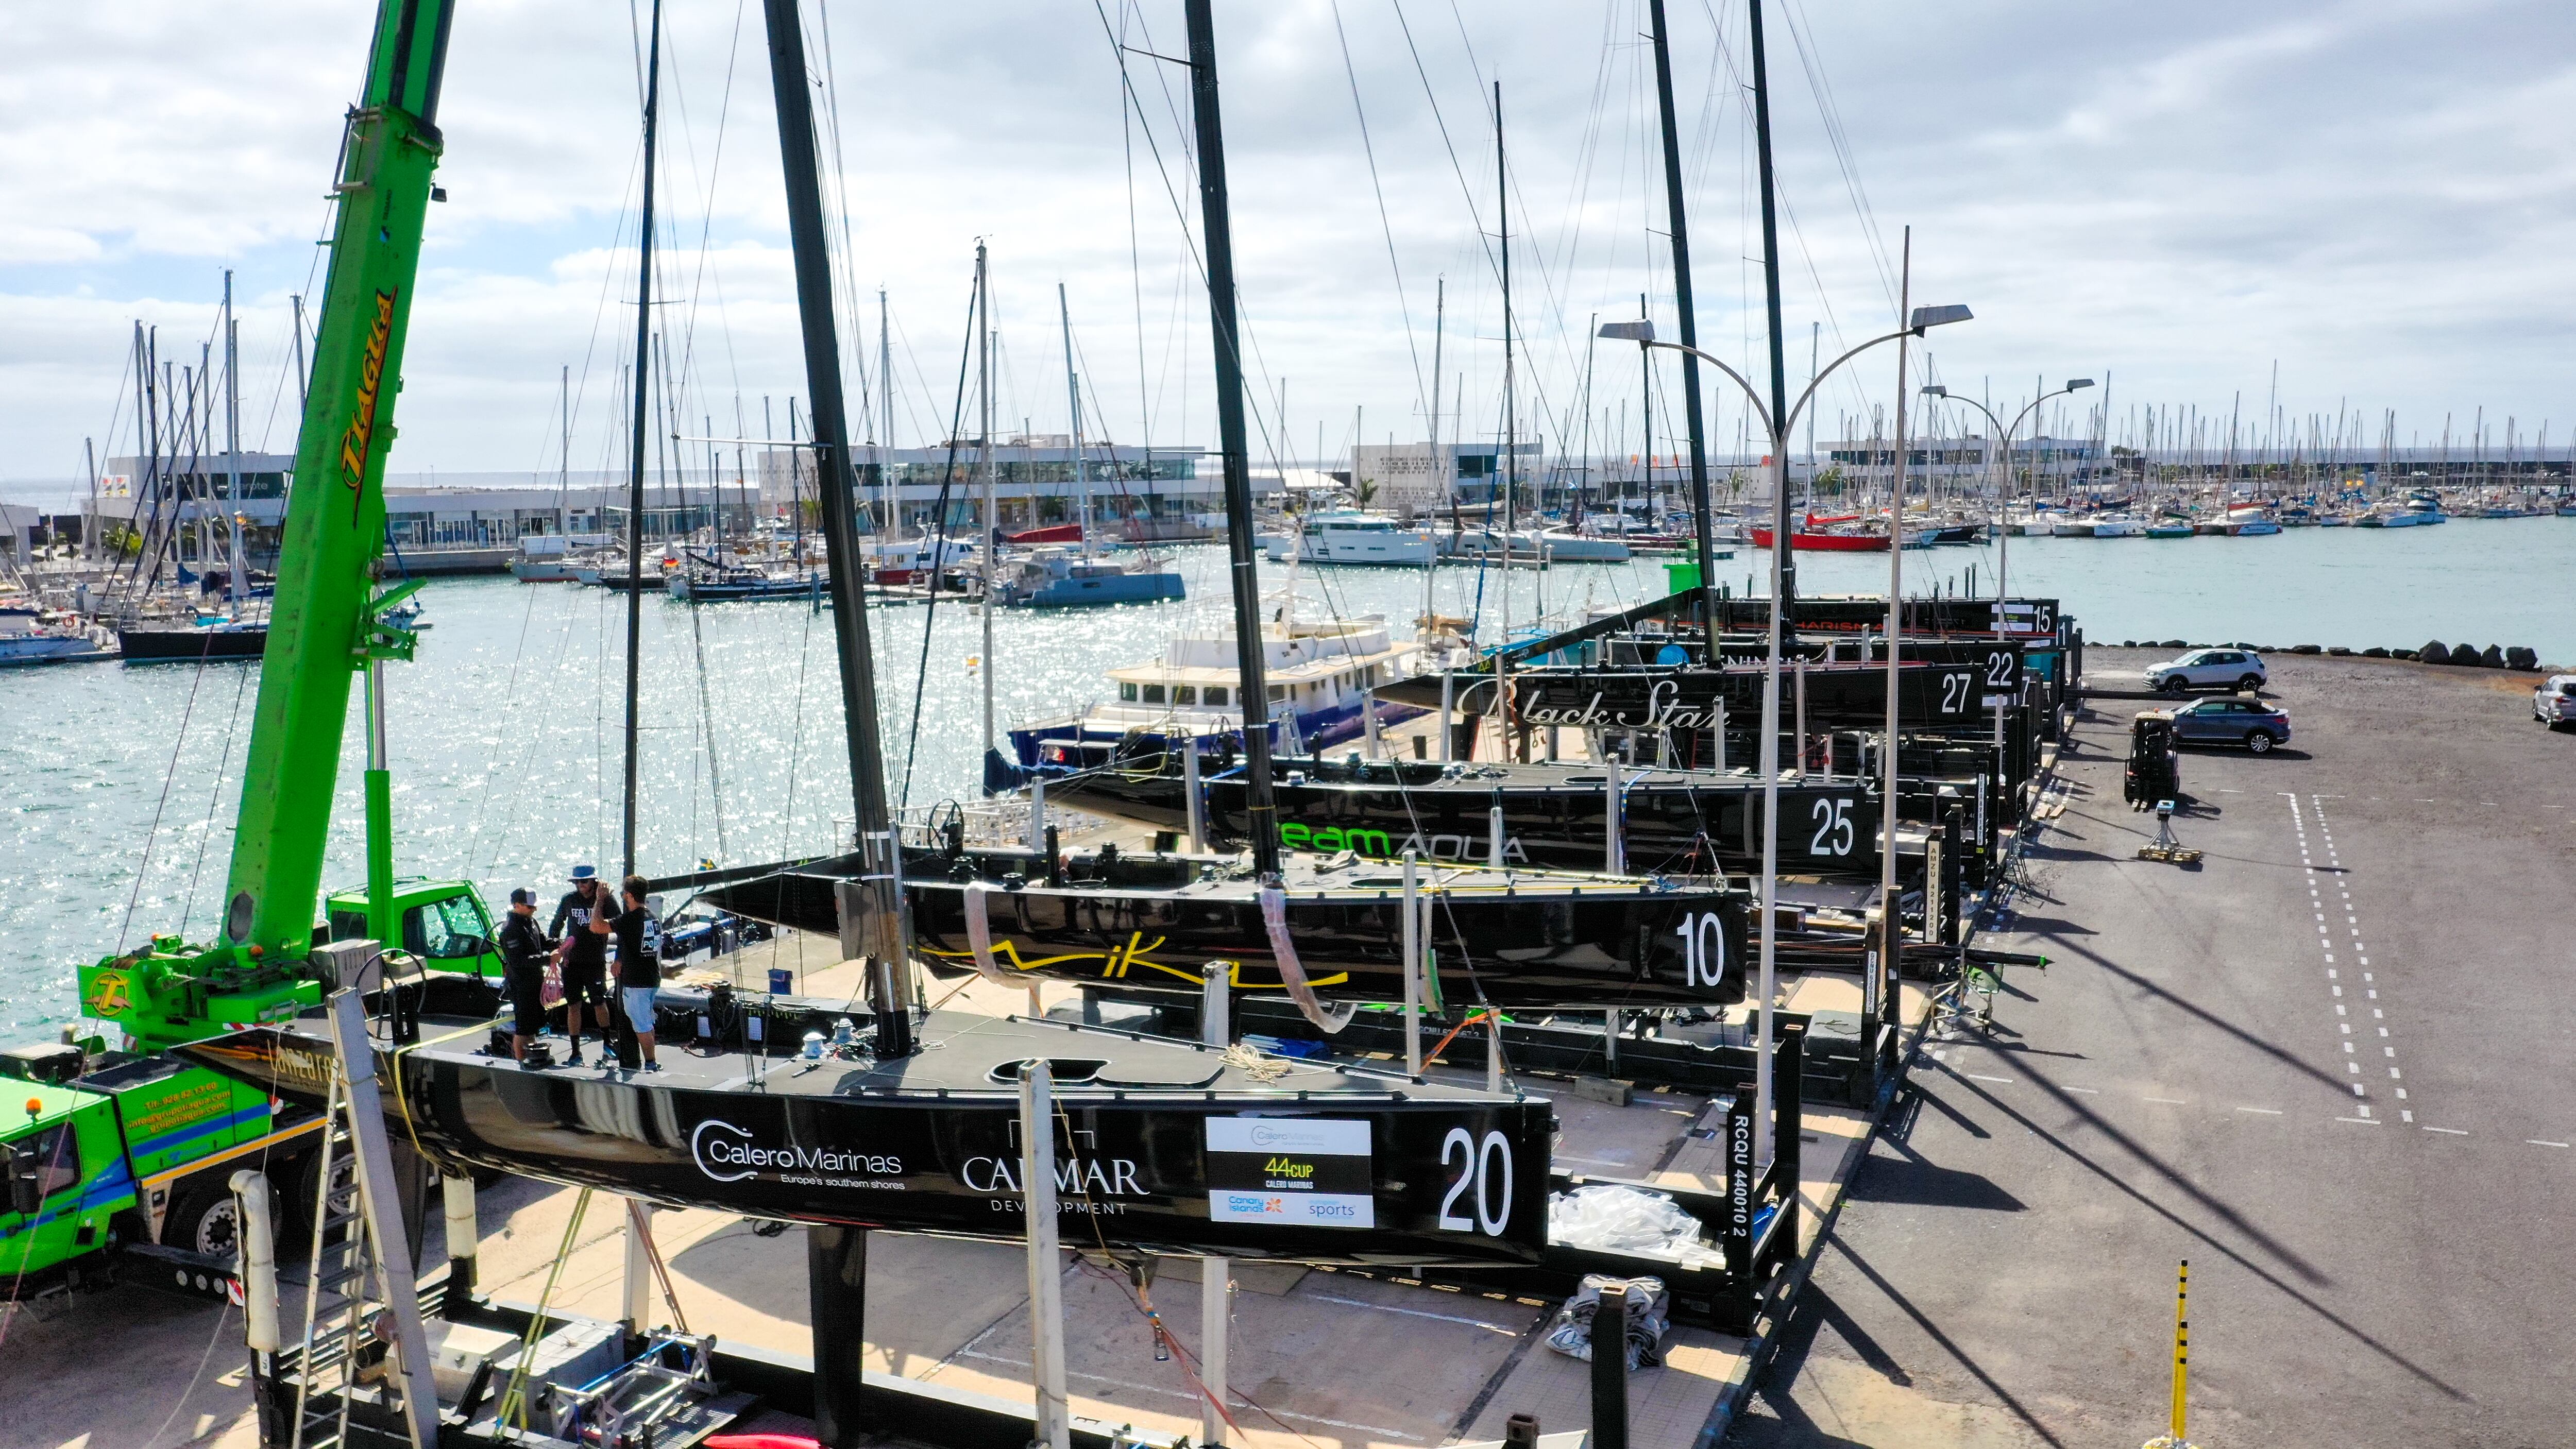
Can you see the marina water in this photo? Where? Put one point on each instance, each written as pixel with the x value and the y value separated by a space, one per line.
pixel 116 808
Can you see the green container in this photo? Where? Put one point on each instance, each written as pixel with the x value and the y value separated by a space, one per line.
pixel 1680 577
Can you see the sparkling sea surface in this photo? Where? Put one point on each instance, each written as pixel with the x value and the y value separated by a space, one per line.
pixel 118 783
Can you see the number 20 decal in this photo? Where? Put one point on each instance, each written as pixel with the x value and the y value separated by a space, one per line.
pixel 1703 949
pixel 1476 1181
pixel 1833 822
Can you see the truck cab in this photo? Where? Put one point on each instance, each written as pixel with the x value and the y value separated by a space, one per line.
pixel 67 1176
pixel 442 922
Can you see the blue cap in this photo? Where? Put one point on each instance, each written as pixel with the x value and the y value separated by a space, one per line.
pixel 523 897
pixel 582 873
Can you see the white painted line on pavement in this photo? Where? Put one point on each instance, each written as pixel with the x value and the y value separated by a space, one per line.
pixel 2543 1142
pixel 2169 1101
pixel 2448 1131
pixel 2266 1111
pixel 2087 1091
pixel 2364 1121
pixel 1972 1076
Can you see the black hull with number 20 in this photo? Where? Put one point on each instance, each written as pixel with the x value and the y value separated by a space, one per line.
pixel 1161 1146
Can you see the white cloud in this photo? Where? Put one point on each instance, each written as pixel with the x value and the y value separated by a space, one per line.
pixel 2376 194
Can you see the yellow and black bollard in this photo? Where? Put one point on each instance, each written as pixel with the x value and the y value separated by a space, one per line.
pixel 2174 1438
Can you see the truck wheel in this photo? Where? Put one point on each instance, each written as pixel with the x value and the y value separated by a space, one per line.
pixel 2259 742
pixel 204 1220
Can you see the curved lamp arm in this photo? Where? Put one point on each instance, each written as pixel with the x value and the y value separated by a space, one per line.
pixel 1643 334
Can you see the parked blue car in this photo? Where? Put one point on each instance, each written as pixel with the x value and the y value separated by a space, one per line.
pixel 2253 723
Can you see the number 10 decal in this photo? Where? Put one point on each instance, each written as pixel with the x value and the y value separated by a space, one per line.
pixel 1477 1178
pixel 1703 949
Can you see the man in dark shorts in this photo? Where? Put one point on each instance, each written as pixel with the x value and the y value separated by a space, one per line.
pixel 639 964
pixel 585 911
pixel 524 950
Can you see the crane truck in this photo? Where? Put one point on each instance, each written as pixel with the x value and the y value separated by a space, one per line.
pixel 114 1151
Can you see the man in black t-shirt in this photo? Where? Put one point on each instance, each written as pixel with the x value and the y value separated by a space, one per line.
pixel 524 949
pixel 639 964
pixel 585 909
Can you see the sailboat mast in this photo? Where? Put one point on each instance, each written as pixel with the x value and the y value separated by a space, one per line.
pixel 893 525
pixel 1073 409
pixel 1704 525
pixel 1784 571
pixel 1440 482
pixel 1261 814
pixel 991 543
pixel 636 440
pixel 232 442
pixel 1783 588
pixel 1511 423
pixel 882 934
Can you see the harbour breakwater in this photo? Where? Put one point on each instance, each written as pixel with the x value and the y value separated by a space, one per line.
pixel 2518 658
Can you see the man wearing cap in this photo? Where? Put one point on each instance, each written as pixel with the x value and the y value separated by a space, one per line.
pixel 585 908
pixel 524 949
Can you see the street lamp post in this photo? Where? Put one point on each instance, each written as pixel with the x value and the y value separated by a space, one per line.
pixel 1779 429
pixel 2003 479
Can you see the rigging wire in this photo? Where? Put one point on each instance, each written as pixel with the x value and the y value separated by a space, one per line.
pixel 214 798
pixel 976 318
pixel 1368 148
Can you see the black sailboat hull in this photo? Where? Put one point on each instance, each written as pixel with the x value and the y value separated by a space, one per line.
pixel 1523 940
pixel 1161 1146
pixel 1676 822
pixel 1930 695
pixel 165 646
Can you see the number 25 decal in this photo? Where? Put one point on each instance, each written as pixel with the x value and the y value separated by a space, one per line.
pixel 1954 692
pixel 1703 949
pixel 1476 1180
pixel 1833 822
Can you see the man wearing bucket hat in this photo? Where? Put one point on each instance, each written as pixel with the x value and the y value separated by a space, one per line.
pixel 585 908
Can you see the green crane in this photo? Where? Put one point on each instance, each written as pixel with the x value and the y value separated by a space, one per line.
pixel 326 624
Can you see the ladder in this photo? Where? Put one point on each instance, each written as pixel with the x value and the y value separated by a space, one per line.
pixel 364 1354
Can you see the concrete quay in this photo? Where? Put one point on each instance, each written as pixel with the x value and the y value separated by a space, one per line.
pixel 2382 907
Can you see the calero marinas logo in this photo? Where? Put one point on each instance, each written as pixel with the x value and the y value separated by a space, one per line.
pixel 361 432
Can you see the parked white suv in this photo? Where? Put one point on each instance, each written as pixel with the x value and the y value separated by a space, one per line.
pixel 2554 702
pixel 2240 669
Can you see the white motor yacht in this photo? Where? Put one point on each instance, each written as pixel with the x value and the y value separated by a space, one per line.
pixel 1319 671
pixel 1353 536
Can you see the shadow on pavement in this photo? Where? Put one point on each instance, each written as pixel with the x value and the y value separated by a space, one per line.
pixel 1916 1180
pixel 1774 1419
pixel 2078 1109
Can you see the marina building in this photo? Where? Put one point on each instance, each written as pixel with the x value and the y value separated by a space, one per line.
pixel 1412 478
pixel 1154 490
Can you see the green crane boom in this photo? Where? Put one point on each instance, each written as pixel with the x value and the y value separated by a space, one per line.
pixel 325 625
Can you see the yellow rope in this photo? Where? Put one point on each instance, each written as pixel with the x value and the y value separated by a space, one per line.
pixel 514 1399
pixel 402 1099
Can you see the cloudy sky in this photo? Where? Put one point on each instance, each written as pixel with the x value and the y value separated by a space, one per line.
pixel 2375 197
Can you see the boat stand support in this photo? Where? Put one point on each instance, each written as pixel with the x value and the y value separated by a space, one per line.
pixel 1216 1275
pixel 836 1288
pixel 1046 1264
